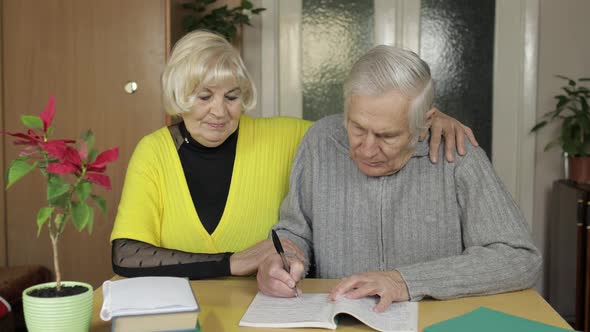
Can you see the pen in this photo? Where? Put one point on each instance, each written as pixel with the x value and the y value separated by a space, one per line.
pixel 281 252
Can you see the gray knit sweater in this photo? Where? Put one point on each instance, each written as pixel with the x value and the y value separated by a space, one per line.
pixel 450 229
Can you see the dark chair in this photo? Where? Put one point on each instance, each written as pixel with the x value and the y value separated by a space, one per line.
pixel 13 281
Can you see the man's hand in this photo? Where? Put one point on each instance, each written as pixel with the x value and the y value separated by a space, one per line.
pixel 246 262
pixel 390 286
pixel 453 131
pixel 273 280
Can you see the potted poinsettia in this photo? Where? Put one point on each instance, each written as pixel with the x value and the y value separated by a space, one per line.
pixel 71 169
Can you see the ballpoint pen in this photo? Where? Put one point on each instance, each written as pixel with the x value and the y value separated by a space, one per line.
pixel 281 252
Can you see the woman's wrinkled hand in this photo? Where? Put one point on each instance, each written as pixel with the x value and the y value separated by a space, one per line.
pixel 246 262
pixel 449 128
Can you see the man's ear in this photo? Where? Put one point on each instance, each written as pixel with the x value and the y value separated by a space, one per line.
pixel 428 117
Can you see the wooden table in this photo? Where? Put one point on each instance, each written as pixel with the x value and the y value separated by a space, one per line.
pixel 224 301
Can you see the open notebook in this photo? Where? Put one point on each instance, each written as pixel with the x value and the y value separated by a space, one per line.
pixel 314 310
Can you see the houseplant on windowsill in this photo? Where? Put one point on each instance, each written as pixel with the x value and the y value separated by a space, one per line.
pixel 574 138
pixel 70 169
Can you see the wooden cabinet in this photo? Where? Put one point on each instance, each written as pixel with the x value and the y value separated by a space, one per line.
pixel 569 252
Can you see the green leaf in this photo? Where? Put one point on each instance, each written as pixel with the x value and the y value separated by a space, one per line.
pixel 189 23
pixel 584 104
pixel 584 79
pixel 568 91
pixel 50 131
pixel 570 81
pixel 80 215
pixel 246 4
pixel 562 100
pixel 90 220
pixel 539 125
pixel 101 203
pixel 56 187
pixel 551 145
pixel 92 155
pixel 42 216
pixel 60 222
pixel 258 10
pixel 83 190
pixel 88 137
pixel 32 121
pixel 190 6
pixel 18 168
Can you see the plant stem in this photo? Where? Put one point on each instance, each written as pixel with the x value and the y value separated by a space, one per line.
pixel 53 236
pixel 56 262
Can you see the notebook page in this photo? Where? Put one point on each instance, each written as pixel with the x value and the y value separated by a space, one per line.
pixel 307 310
pixel 401 316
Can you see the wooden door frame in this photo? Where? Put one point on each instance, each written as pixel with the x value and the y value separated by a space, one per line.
pixel 3 232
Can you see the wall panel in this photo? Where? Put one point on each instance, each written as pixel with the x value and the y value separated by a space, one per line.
pixel 83 52
pixel 3 254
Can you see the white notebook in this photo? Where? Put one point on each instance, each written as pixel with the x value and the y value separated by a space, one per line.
pixel 314 310
pixel 145 296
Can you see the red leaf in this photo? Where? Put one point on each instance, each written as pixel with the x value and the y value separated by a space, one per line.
pixel 55 148
pixel 28 151
pixel 19 135
pixel 34 135
pixel 31 143
pixel 61 168
pixel 99 179
pixel 96 169
pixel 105 157
pixel 72 156
pixel 47 115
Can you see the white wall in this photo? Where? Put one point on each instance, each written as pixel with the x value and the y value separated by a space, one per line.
pixel 564 48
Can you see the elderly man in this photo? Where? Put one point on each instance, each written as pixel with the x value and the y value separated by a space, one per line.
pixel 366 204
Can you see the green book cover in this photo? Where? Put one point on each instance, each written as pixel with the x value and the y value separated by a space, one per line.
pixel 484 319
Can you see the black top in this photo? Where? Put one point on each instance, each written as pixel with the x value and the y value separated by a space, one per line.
pixel 208 173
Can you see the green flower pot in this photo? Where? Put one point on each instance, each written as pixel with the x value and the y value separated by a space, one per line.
pixel 63 314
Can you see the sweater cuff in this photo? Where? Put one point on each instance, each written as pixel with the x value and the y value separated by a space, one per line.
pixel 418 288
pixel 302 244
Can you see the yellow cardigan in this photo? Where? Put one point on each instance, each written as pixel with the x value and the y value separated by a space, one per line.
pixel 156 206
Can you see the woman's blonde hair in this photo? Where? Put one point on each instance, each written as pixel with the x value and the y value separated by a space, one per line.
pixel 203 58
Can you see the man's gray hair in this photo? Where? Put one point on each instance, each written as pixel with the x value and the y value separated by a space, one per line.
pixel 385 68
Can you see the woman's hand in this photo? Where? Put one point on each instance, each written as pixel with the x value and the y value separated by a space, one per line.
pixel 453 131
pixel 246 262
pixel 390 286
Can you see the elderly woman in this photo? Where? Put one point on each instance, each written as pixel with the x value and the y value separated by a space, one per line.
pixel 200 196
pixel 367 205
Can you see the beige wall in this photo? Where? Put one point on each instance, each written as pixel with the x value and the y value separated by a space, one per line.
pixel 564 48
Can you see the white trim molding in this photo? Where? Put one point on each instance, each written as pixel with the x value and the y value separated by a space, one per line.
pixel 515 96
pixel 269 60
pixel 290 88
pixel 397 23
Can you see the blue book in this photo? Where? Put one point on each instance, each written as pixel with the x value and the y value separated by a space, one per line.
pixel 484 319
